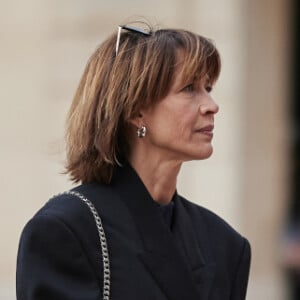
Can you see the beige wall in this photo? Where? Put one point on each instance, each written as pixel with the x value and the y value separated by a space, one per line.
pixel 44 47
pixel 266 147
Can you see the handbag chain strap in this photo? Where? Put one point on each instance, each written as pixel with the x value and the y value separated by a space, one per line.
pixel 103 242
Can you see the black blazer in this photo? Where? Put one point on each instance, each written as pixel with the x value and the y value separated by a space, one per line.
pixel 201 257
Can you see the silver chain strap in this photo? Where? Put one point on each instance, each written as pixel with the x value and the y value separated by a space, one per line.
pixel 103 242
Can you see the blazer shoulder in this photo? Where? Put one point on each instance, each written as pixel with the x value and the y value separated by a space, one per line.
pixel 62 206
pixel 70 218
pixel 68 207
pixel 54 260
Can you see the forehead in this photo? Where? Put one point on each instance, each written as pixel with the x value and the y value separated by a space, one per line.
pixel 188 69
pixel 197 59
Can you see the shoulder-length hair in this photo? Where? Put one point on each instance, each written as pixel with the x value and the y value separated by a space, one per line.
pixel 115 86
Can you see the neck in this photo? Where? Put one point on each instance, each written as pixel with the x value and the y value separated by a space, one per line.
pixel 159 176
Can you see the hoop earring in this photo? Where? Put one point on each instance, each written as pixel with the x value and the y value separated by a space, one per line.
pixel 141 132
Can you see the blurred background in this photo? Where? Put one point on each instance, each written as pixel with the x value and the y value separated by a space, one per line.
pixel 252 180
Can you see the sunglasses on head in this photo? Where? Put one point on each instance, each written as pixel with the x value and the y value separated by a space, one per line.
pixel 129 28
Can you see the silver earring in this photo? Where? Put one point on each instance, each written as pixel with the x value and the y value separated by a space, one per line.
pixel 141 132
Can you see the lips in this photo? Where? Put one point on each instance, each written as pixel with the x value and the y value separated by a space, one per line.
pixel 207 130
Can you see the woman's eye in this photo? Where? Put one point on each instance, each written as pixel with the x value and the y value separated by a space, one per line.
pixel 189 88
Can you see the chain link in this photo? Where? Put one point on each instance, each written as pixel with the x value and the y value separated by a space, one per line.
pixel 102 238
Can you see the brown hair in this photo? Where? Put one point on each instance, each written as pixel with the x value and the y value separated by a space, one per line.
pixel 115 86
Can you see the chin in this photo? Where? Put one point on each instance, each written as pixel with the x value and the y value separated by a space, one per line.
pixel 206 151
pixel 204 154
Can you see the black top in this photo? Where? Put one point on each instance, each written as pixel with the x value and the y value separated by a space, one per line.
pixel 167 212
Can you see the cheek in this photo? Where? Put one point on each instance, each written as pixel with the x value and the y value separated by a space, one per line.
pixel 172 130
pixel 171 123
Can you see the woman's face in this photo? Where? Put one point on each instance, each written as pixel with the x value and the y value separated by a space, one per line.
pixel 180 126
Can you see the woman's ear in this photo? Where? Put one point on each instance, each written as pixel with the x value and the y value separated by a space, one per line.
pixel 137 121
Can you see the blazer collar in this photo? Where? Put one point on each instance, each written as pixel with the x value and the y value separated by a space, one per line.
pixel 174 258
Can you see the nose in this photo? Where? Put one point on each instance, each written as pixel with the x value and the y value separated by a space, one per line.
pixel 209 106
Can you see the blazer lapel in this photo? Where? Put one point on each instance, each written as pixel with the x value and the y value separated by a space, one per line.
pixel 169 266
pixel 195 247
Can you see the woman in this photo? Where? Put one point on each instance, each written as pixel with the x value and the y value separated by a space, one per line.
pixel 142 108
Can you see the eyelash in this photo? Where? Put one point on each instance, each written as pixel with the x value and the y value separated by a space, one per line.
pixel 190 88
